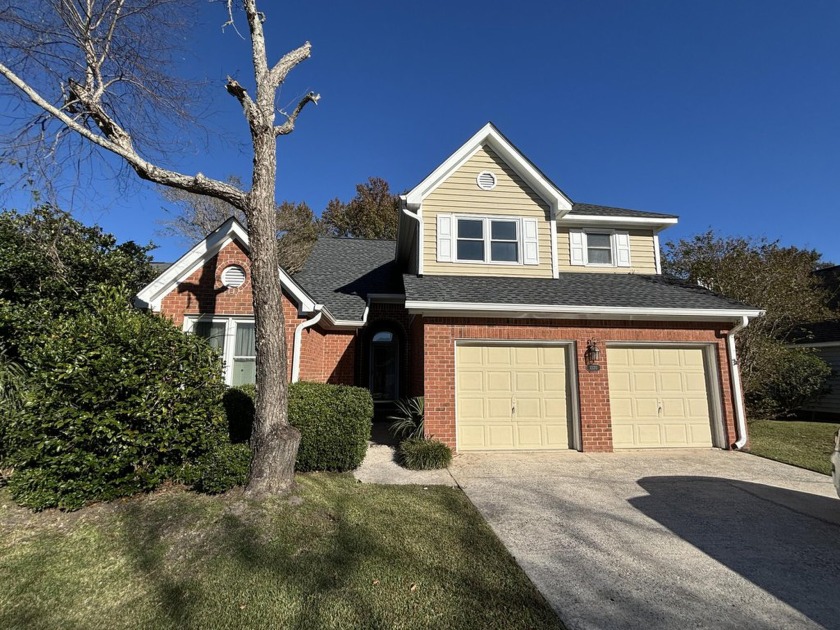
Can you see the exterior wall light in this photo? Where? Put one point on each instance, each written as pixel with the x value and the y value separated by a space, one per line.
pixel 592 356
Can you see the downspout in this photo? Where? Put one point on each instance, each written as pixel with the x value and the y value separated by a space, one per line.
pixel 735 375
pixel 297 342
pixel 416 217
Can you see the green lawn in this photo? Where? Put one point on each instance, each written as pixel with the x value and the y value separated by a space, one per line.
pixel 338 554
pixel 804 444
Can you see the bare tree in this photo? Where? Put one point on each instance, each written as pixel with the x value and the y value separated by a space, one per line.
pixel 80 62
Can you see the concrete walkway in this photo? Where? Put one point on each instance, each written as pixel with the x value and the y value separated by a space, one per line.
pixel 380 466
pixel 666 539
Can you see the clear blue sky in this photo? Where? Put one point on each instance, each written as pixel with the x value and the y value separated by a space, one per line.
pixel 725 113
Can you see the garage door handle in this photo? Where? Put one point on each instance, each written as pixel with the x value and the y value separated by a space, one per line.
pixel 513 406
pixel 659 407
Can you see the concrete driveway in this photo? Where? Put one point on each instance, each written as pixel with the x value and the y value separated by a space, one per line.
pixel 666 539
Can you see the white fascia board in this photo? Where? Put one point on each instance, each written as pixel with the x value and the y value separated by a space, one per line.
pixel 587 312
pixel 819 344
pixel 343 323
pixel 488 135
pixel 581 219
pixel 151 295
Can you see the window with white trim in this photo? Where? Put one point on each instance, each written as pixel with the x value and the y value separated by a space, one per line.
pixel 599 248
pixel 465 238
pixel 234 339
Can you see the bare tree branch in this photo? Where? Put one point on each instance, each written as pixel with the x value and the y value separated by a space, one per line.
pixel 289 126
pixel 119 142
pixel 287 62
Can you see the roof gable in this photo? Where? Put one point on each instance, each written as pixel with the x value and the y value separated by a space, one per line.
pixel 489 136
pixel 231 230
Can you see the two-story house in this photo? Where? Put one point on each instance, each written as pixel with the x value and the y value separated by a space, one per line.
pixel 528 321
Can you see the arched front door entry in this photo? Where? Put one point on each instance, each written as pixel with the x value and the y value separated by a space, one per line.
pixel 384 377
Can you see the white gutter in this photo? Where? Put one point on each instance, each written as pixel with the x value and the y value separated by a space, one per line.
pixel 735 375
pixel 416 217
pixel 297 342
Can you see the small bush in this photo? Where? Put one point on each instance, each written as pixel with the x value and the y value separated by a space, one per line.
pixel 334 422
pixel 117 401
pixel 424 454
pixel 222 468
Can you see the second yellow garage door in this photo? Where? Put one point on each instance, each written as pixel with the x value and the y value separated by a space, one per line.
pixel 659 397
pixel 511 397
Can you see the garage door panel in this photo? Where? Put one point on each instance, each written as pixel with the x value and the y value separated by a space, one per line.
pixel 667 402
pixel 498 408
pixel 500 436
pixel 643 382
pixel 499 382
pixel 512 397
pixel 470 381
pixel 527 381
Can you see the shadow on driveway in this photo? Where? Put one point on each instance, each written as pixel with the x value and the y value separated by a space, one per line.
pixel 784 541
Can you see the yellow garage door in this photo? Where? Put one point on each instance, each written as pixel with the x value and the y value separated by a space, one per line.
pixel 511 397
pixel 659 397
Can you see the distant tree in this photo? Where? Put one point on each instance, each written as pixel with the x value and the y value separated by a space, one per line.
pixel 195 216
pixel 298 230
pixel 763 274
pixel 372 213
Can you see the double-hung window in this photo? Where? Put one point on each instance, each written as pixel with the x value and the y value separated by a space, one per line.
pixel 599 248
pixel 469 238
pixel 487 240
pixel 234 339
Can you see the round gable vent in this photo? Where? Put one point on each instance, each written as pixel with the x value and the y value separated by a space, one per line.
pixel 233 276
pixel 486 180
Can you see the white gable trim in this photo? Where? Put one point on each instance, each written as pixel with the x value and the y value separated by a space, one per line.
pixel 153 293
pixel 488 135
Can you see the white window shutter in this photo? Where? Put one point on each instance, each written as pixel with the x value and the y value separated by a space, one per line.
pixel 577 247
pixel 530 246
pixel 622 249
pixel 444 238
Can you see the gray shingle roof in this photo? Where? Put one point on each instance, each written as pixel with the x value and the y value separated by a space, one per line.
pixel 591 210
pixel 820 332
pixel 341 272
pixel 570 289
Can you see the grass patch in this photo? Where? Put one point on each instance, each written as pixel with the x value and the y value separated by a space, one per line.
pixel 804 444
pixel 338 554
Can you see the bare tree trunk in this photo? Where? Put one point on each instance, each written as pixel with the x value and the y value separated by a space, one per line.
pixel 274 441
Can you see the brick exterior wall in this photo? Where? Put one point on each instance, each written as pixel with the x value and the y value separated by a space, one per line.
pixel 204 294
pixel 593 388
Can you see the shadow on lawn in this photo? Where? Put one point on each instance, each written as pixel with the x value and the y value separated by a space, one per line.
pixel 318 564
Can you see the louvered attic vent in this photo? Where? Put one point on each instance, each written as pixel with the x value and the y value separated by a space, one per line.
pixel 486 180
pixel 233 276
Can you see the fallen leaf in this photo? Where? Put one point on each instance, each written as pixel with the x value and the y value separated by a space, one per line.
pixel 413 587
pixel 375 582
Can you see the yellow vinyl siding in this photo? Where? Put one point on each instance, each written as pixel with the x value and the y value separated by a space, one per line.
pixel 642 256
pixel 511 197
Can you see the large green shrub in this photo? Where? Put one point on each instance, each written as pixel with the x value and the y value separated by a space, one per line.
pixel 222 468
pixel 116 402
pixel 334 422
pixel 419 453
pixel 785 380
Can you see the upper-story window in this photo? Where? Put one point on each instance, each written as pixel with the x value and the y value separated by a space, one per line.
pixel 599 248
pixel 481 239
pixel 488 240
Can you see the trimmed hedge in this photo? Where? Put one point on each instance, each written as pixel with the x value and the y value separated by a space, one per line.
pixel 424 454
pixel 116 402
pixel 221 469
pixel 334 422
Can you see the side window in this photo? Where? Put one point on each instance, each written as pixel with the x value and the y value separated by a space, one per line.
pixel 599 249
pixel 234 339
